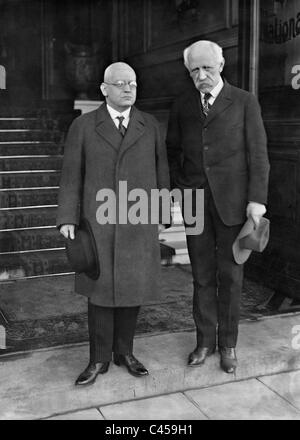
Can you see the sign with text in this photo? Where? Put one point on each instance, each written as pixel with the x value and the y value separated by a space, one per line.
pixel 2 78
pixel 280 43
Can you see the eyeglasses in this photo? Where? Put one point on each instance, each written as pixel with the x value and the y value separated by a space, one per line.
pixel 123 84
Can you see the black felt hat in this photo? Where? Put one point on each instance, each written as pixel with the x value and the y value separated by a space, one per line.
pixel 82 251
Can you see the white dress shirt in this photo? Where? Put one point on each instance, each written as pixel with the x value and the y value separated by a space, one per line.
pixel 214 93
pixel 114 114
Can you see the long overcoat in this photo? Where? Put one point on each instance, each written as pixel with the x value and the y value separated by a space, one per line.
pixel 96 158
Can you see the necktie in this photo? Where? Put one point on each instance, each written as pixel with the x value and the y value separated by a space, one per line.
pixel 206 105
pixel 121 127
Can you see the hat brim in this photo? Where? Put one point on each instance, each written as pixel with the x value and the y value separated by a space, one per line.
pixel 240 254
pixel 84 243
pixel 94 273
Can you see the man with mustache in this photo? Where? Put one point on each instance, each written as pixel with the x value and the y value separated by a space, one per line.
pixel 216 141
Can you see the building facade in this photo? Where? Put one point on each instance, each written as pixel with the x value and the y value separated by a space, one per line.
pixel 54 52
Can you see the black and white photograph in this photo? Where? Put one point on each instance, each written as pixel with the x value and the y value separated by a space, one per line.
pixel 149 213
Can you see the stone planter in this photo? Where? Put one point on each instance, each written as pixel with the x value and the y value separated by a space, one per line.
pixel 82 68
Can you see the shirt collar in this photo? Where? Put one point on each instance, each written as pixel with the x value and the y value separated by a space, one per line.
pixel 216 90
pixel 114 113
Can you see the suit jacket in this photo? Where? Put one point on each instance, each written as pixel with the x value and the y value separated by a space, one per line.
pixel 228 147
pixel 97 157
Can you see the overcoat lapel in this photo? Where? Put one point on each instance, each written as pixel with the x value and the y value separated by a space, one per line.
pixel 195 107
pixel 106 128
pixel 222 101
pixel 135 129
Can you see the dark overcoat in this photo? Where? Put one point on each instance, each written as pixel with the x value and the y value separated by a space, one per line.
pixel 96 159
pixel 228 147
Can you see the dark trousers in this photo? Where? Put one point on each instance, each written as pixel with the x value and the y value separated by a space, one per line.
pixel 111 329
pixel 217 279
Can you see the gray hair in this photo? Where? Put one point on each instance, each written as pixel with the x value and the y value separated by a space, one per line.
pixel 210 45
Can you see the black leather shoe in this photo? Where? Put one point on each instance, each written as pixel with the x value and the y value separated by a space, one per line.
pixel 89 375
pixel 198 356
pixel 228 359
pixel 134 366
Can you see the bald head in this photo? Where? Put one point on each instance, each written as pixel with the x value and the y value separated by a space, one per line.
pixel 119 86
pixel 118 69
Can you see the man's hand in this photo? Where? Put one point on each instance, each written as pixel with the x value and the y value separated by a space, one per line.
pixel 68 231
pixel 161 228
pixel 255 211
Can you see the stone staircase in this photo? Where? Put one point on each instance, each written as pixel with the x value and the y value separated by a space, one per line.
pixel 174 237
pixel 31 152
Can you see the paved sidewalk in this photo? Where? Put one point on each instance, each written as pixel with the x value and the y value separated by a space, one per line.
pixel 275 397
pixel 40 384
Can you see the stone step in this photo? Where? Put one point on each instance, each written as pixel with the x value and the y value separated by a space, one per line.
pixel 33 263
pixel 43 123
pixel 181 259
pixel 20 163
pixel 6 111
pixel 16 135
pixel 43 109
pixel 48 237
pixel 13 123
pixel 179 244
pixel 28 197
pixel 177 233
pixel 62 123
pixel 30 239
pixel 30 179
pixel 27 217
pixel 30 148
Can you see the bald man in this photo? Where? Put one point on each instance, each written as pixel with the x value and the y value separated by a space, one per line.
pixel 111 146
pixel 216 141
